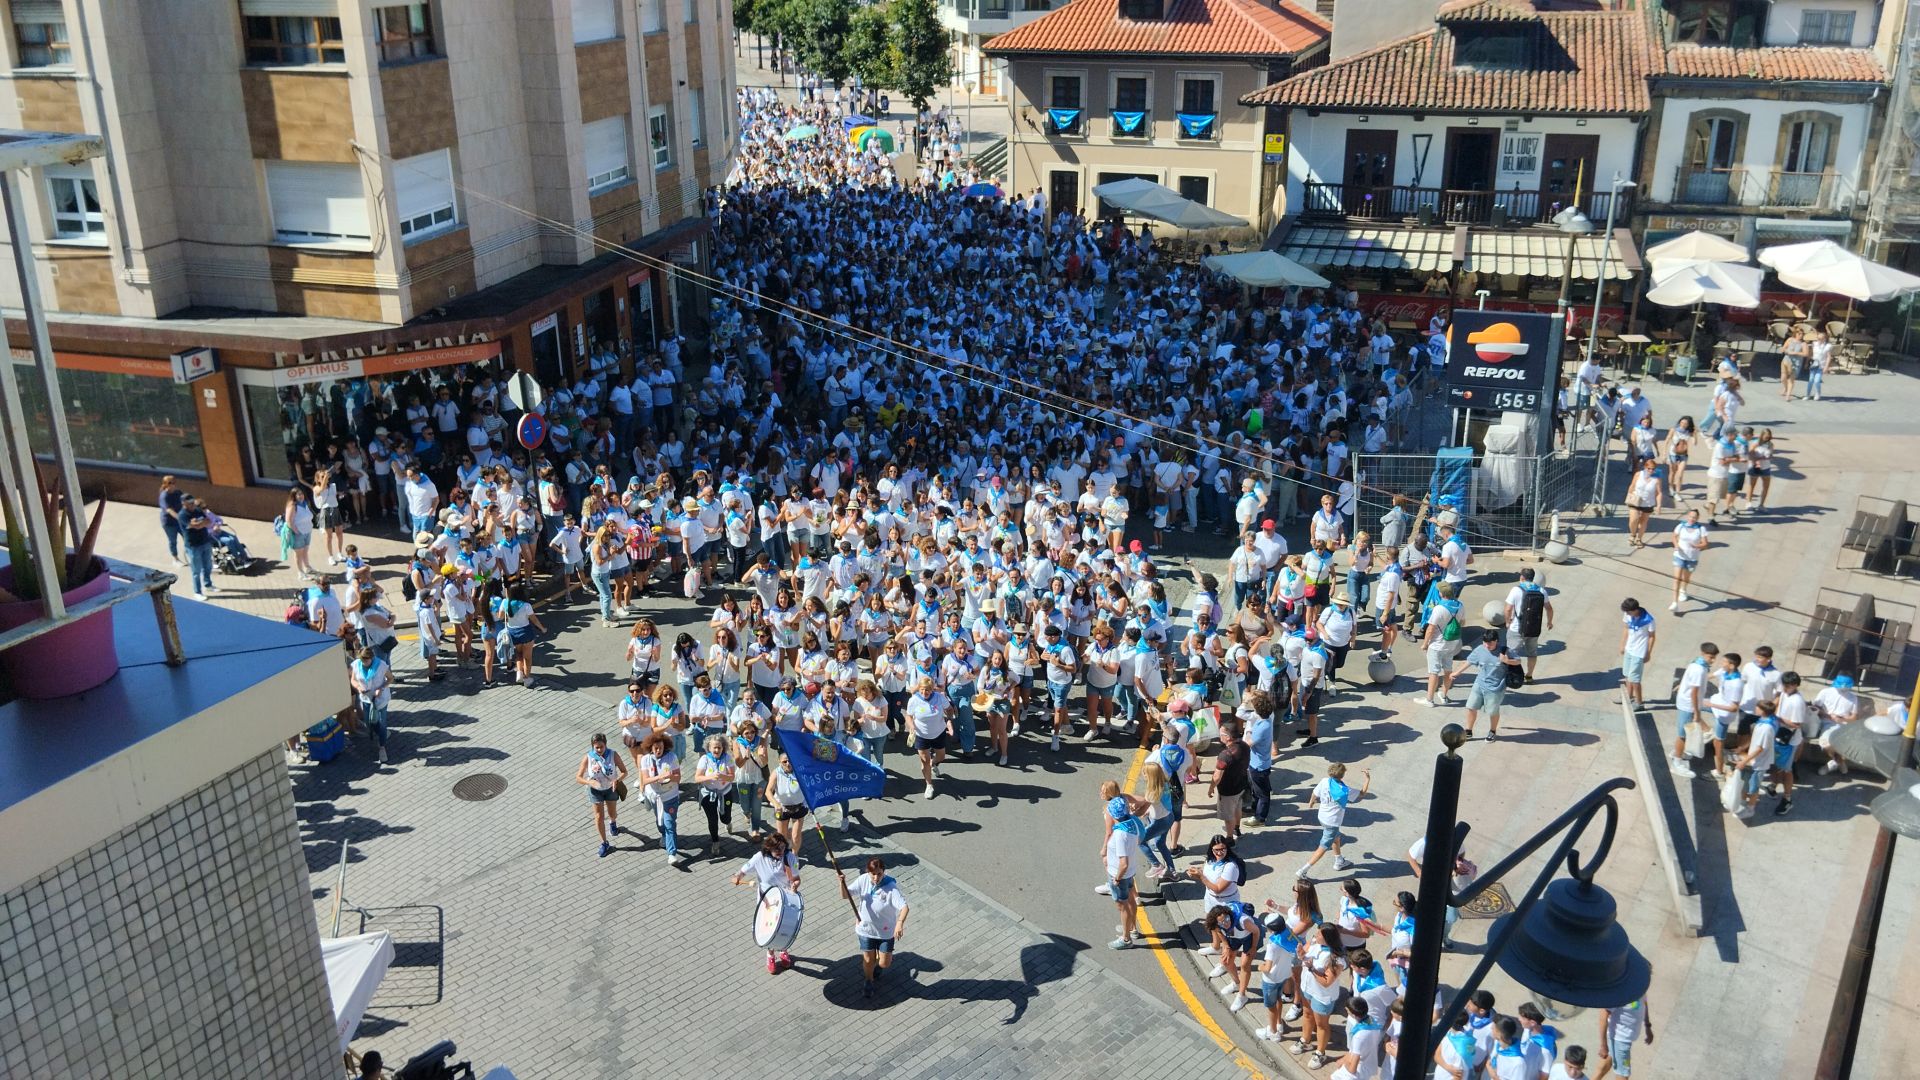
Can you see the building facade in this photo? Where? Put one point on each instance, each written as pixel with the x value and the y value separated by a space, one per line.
pixel 1766 119
pixel 1104 90
pixel 327 190
pixel 971 24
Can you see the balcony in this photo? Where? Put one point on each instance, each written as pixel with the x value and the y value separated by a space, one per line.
pixel 1763 188
pixel 981 9
pixel 1063 121
pixel 1198 126
pixel 1452 206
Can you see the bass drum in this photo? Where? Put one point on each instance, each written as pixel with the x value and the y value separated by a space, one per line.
pixel 776 919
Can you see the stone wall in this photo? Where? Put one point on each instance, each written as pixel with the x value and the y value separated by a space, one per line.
pixel 184 946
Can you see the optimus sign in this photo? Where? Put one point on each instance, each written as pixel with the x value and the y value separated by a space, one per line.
pixel 1500 359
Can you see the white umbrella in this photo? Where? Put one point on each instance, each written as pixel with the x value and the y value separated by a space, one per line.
pixel 1697 246
pixel 1677 284
pixel 1148 199
pixel 1824 266
pixel 1264 268
pixel 355 966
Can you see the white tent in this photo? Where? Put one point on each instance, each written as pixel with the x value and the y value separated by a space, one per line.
pixel 1677 284
pixel 1148 199
pixel 1265 268
pixel 1824 266
pixel 1697 246
pixel 355 966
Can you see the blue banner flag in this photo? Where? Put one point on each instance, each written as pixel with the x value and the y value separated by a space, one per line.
pixel 829 772
pixel 1063 119
pixel 1196 125
pixel 1128 122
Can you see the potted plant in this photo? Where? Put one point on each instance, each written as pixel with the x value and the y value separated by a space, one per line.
pixel 80 655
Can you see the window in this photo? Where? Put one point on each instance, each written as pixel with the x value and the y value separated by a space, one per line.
pixel 317 203
pixel 1826 28
pixel 1140 9
pixel 1195 188
pixel 692 13
pixel 406 33
pixel 606 146
pixel 653 16
pixel 1520 154
pixel 75 202
pixel 1495 51
pixel 1196 95
pixel 697 106
pixel 40 31
pixel 1719 22
pixel 660 137
pixel 1130 119
pixel 1198 117
pixel 594 20
pixel 423 193
pixel 1064 114
pixel 294 39
pixel 1808 145
pixel 139 422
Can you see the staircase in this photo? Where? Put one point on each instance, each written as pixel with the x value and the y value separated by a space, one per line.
pixel 992 159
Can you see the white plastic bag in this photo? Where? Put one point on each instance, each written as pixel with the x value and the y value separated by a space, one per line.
pixel 690 584
pixel 1696 744
pixel 1732 792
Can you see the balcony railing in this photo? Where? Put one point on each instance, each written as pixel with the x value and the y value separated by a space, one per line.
pixel 1453 206
pixel 1131 124
pixel 1064 121
pixel 980 9
pixel 1762 188
pixel 1198 126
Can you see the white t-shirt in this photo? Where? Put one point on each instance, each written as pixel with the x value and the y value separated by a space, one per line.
pixel 1122 844
pixel 1688 540
pixel 928 715
pixel 1332 809
pixel 1219 874
pixel 880 905
pixel 768 872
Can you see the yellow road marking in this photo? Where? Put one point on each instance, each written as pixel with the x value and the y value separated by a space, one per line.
pixel 1164 955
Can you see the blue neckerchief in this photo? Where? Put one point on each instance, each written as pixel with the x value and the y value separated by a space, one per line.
pixel 1376 976
pixel 1511 1051
pixel 1337 791
pixel 1477 1022
pixel 1462 1046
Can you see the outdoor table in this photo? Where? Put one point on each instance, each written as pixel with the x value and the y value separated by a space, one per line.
pixel 1637 343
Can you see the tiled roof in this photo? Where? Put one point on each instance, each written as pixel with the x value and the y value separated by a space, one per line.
pixel 1191 28
pixel 1486 11
pixel 1592 63
pixel 1829 63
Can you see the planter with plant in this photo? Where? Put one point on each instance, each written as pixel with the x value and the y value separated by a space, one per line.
pixel 80 655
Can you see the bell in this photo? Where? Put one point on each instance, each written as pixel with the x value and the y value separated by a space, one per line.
pixel 1571 949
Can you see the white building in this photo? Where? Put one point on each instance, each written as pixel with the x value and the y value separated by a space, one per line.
pixel 971 23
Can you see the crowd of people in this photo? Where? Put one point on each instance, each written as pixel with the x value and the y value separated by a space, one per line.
pixel 926 483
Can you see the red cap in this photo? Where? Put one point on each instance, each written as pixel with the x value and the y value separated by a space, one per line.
pixel 1312 634
pixel 1133 545
pixel 1267 524
pixel 813 687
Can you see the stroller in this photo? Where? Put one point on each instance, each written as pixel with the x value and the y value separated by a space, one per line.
pixel 230 556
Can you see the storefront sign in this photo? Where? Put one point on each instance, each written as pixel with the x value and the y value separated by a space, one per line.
pixel 426 358
pixel 110 365
pixel 313 373
pixel 541 326
pixel 1500 359
pixel 193 364
pixel 1680 223
pixel 638 277
pixel 417 345
pixel 1417 309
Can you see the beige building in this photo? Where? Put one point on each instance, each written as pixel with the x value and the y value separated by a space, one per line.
pixel 1103 90
pixel 325 189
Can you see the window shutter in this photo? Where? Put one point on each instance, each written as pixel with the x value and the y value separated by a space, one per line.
pixel 311 200
pixel 606 145
pixel 594 20
pixel 38 11
pixel 423 184
pixel 323 8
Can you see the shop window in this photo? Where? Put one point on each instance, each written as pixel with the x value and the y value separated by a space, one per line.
pixel 406 33
pixel 293 40
pixel 40 34
pixel 1196 188
pixel 122 421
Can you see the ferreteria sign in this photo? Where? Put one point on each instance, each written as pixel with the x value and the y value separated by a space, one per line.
pixel 418 345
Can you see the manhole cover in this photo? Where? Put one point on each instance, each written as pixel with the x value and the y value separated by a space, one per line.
pixel 479 787
pixel 1488 905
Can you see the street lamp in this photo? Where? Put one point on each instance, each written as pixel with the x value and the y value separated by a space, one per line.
pixel 1574 223
pixel 1569 949
pixel 1606 249
pixel 1898 811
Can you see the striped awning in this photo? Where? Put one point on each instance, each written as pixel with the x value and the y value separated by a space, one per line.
pixel 1542 253
pixel 1428 250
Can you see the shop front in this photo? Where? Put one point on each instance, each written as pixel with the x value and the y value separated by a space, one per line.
pixel 122 413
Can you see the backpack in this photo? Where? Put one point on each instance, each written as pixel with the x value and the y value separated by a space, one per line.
pixel 1533 609
pixel 407 587
pixel 1451 631
pixel 297 610
pixel 1516 676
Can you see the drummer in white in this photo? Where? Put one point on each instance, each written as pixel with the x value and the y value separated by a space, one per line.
pixel 773 867
pixel 882 920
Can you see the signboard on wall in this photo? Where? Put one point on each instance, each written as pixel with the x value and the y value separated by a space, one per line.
pixel 193 364
pixel 1275 148
pixel 1500 359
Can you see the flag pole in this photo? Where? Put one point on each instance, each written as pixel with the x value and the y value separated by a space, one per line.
pixel 821 831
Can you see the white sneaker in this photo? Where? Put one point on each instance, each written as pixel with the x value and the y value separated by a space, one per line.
pixel 1239 1002
pixel 1103 888
pixel 1342 863
pixel 1218 970
pixel 1003 759
pixel 1231 988
pixel 211 589
pixel 1056 742
pixel 1680 768
pixel 929 792
pixel 1266 1034
pixel 1292 1014
pixel 1428 702
pixel 1683 596
pixel 1014 730
pixel 1302 872
pixel 1829 768
pixel 383 755
pixel 1092 734
pixel 1675 606
pixel 1207 950
pixel 198 595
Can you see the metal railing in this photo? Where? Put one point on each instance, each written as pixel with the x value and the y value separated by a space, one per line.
pixel 1824 190
pixel 1508 502
pixel 1453 206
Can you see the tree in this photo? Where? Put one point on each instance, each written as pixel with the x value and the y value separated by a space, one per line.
pixel 821 36
pixel 918 47
pixel 867 54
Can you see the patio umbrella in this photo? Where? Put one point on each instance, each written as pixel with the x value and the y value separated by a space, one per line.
pixel 1145 198
pixel 984 188
pixel 354 966
pixel 1265 268
pixel 1697 246
pixel 856 120
pixel 1824 266
pixel 804 131
pixel 1680 284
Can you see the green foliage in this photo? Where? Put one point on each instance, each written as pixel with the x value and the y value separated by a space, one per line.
pixel 866 49
pixel 821 37
pixel 918 49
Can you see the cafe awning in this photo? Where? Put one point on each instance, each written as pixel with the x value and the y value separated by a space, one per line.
pixel 1372 248
pixel 1542 253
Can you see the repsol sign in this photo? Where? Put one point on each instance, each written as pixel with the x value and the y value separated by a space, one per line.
pixel 1482 371
pixel 1498 350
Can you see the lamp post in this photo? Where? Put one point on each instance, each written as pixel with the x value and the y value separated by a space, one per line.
pixel 1898 811
pixel 1606 250
pixel 1574 223
pixel 1569 949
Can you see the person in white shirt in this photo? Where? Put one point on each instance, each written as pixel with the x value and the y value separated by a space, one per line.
pixel 881 920
pixel 1619 1029
pixel 1689 540
pixel 1455 555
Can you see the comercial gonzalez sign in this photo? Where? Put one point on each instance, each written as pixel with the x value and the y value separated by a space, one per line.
pixel 1500 359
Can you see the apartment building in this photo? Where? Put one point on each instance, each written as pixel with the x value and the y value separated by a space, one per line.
pixel 325 191
pixel 971 24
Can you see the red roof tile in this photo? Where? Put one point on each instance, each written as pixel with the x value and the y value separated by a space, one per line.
pixel 1828 64
pixel 1486 11
pixel 1593 63
pixel 1191 28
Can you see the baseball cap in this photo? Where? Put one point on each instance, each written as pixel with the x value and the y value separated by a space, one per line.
pixel 1179 705
pixel 1134 546
pixel 813 687
pixel 1267 524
